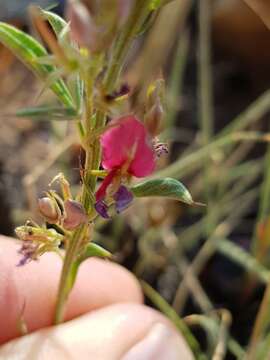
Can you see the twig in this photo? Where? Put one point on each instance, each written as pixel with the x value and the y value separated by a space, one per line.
pixel 220 350
pixel 211 325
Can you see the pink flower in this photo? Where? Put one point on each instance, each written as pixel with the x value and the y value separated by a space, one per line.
pixel 126 151
pixel 127 144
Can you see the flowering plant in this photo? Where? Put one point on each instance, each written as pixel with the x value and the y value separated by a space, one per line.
pixel 84 70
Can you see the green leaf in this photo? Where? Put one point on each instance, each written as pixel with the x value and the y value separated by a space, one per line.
pixel 167 187
pixel 57 23
pixel 93 249
pixel 155 4
pixel 90 251
pixel 28 50
pixel 75 84
pixel 53 113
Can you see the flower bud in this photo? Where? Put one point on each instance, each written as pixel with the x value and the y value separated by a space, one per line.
pixel 75 214
pixel 155 93
pixel 95 23
pixel 83 29
pixel 154 119
pixel 48 208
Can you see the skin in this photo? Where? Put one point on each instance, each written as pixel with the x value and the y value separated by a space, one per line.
pixel 262 8
pixel 106 318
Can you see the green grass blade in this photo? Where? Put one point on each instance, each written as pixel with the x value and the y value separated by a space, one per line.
pixel 243 258
pixel 167 310
pixel 52 112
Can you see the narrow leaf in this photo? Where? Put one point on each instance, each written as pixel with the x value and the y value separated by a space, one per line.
pixel 93 249
pixel 243 258
pixel 28 50
pixel 155 4
pixel 90 251
pixel 168 310
pixel 56 22
pixel 167 187
pixel 52 112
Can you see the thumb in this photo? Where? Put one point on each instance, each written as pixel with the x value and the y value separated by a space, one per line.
pixel 124 331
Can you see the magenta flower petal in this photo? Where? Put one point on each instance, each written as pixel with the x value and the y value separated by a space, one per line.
pixel 101 192
pixel 127 142
pixel 123 197
pixel 102 209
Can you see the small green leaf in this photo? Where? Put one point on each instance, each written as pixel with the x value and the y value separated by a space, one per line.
pixel 52 112
pixel 167 187
pixel 93 249
pixel 155 4
pixel 56 22
pixel 76 87
pixel 28 50
pixel 90 251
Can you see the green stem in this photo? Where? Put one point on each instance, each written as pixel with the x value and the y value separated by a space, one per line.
pixel 93 151
pixel 64 287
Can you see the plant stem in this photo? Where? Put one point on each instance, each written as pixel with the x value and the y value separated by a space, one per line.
pixel 93 152
pixel 261 322
pixel 64 289
pixel 205 99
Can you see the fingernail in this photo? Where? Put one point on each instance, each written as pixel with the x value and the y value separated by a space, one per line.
pixel 160 343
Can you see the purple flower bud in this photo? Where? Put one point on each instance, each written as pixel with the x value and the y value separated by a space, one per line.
pixel 75 214
pixel 102 209
pixel 123 197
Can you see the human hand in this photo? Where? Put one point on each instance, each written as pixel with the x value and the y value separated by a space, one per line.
pixel 107 320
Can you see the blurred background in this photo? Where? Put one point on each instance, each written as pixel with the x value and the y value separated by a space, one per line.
pixel 215 58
